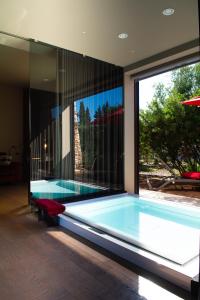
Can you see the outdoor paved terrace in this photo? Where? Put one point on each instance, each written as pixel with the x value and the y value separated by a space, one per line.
pixel 184 196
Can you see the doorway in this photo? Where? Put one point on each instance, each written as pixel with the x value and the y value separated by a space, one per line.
pixel 168 141
pixel 14 99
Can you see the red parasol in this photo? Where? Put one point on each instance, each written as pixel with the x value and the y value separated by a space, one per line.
pixel 193 102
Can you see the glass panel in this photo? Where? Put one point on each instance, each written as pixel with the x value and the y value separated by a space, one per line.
pixel 14 84
pixel 45 113
pixel 93 92
pixel 76 124
pixel 98 135
pixel 169 145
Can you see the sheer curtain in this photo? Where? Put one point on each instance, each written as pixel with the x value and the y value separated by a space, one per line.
pixel 76 109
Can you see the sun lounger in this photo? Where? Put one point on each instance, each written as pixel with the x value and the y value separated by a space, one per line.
pixel 187 178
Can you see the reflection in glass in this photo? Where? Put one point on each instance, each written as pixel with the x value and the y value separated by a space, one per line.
pixel 98 131
pixel 76 106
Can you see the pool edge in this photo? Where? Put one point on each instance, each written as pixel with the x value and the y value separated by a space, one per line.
pixel 172 277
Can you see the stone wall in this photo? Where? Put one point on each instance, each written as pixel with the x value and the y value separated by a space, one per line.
pixel 77 144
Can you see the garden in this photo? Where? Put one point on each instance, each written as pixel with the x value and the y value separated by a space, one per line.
pixel 169 130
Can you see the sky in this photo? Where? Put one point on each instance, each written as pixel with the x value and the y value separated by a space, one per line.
pixel 113 97
pixel 147 87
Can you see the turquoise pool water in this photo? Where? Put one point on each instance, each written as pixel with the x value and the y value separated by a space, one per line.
pixel 60 189
pixel 167 229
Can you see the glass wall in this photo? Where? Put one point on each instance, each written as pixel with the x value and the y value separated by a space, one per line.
pixel 169 145
pixel 44 113
pixel 98 133
pixel 76 108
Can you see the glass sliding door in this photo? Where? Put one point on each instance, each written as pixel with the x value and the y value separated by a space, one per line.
pixel 14 85
pixel 76 109
pixel 44 113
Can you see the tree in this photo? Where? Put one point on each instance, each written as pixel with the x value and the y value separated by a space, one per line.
pixel 105 108
pixel 183 80
pixel 85 133
pixel 82 113
pixel 169 129
pixel 87 116
pixel 98 113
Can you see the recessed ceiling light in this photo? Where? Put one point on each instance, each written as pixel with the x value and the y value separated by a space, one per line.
pixel 168 11
pixel 45 79
pixel 123 35
pixel 83 32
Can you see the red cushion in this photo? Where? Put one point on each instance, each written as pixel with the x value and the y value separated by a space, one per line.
pixel 52 207
pixel 191 175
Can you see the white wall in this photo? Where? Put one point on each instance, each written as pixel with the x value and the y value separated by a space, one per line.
pixel 11 118
pixel 129 134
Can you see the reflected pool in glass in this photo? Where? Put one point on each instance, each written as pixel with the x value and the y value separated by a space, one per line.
pixel 60 189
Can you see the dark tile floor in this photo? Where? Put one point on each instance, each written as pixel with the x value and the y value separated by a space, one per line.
pixel 40 263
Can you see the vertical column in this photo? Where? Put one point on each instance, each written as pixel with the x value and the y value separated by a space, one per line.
pixel 129 134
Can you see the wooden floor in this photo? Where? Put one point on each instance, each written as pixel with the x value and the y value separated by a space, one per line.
pixel 38 263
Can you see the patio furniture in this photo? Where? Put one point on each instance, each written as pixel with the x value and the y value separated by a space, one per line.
pixel 48 210
pixel 187 178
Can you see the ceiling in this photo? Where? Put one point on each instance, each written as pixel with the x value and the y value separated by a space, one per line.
pixel 15 66
pixel 91 27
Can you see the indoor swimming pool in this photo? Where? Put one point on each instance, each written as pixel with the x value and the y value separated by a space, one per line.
pixel 164 228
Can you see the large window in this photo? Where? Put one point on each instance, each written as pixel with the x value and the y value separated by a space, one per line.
pixel 169 134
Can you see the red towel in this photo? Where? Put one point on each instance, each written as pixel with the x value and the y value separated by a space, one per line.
pixel 52 207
